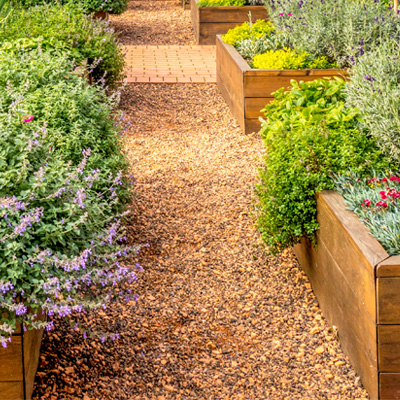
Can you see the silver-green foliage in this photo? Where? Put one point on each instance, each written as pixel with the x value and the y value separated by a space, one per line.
pixel 248 48
pixel 382 217
pixel 341 30
pixel 374 88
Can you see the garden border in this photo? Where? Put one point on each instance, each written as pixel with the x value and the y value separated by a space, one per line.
pixel 18 364
pixel 210 21
pixel 248 90
pixel 358 288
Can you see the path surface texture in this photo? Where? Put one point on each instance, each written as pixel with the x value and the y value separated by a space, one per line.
pixel 217 319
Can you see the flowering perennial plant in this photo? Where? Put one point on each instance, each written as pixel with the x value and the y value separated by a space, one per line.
pixel 377 202
pixel 76 115
pixel 340 30
pixel 59 240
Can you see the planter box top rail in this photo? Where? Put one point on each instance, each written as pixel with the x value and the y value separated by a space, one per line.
pixel 248 71
pixel 209 21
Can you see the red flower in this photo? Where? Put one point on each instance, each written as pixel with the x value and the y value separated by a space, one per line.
pixel 367 202
pixel 381 204
pixel 384 180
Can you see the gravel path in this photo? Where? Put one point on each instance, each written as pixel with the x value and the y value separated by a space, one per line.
pixel 154 22
pixel 217 319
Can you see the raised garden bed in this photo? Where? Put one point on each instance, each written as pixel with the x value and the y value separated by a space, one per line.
pixel 358 288
pixel 211 21
pixel 18 365
pixel 248 90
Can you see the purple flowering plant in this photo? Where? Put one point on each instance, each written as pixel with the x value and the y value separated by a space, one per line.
pixel 340 30
pixel 58 241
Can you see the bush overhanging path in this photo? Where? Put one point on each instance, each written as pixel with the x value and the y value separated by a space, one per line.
pixel 217 318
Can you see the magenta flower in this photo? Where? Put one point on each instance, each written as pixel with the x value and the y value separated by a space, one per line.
pixel 29 119
pixel 280 14
pixel 290 14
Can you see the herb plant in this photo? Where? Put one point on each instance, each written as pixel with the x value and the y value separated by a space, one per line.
pixel 72 31
pixel 374 89
pixel 112 6
pixel 76 115
pixel 61 238
pixel 340 30
pixel 308 135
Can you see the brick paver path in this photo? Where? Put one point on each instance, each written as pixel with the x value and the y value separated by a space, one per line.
pixel 171 64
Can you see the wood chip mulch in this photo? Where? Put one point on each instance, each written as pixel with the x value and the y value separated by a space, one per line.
pixel 154 22
pixel 217 318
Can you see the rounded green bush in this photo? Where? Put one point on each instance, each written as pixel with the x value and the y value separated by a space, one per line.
pixel 246 30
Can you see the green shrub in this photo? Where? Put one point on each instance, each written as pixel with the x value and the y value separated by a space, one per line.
pixel 78 33
pixel 248 30
pixel 308 135
pixel 76 115
pixel 289 59
pixel 112 6
pixel 341 30
pixel 61 174
pixel 375 89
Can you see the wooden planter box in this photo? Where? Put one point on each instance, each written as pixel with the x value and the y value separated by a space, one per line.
pixel 358 288
pixel 211 21
pixel 18 365
pixel 248 90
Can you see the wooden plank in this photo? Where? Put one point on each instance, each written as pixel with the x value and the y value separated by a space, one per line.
pixel 334 298
pixel 389 386
pixel 194 15
pixel 235 15
pixel 11 361
pixel 209 31
pixel 230 80
pixel 11 390
pixel 388 300
pixel 32 342
pixel 254 105
pixel 389 348
pixel 389 267
pixel 251 125
pixel 355 250
pixel 299 72
pixel 366 244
